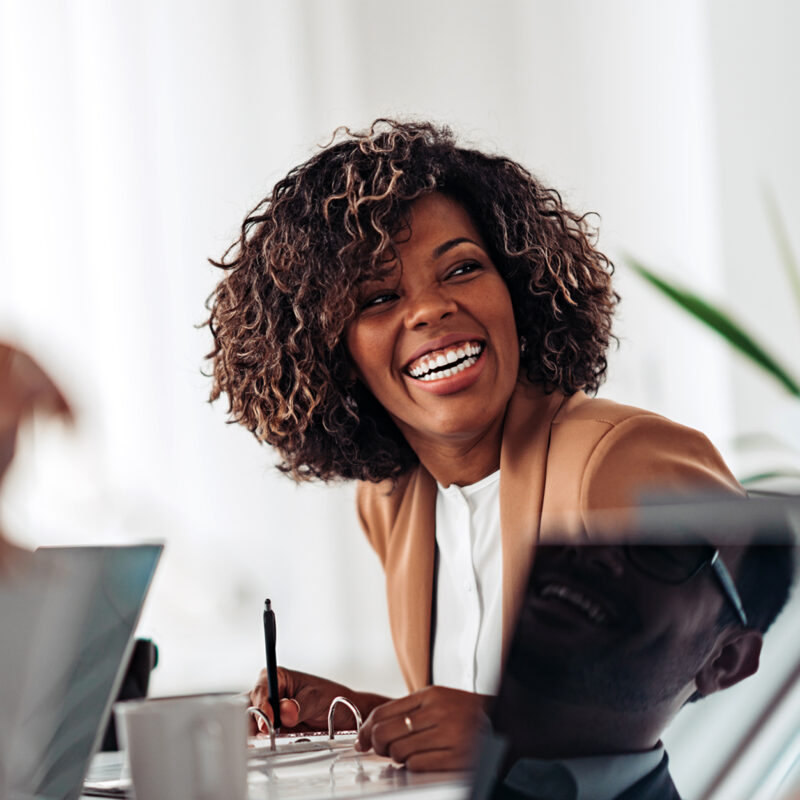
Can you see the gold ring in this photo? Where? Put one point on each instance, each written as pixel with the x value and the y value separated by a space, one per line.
pixel 409 724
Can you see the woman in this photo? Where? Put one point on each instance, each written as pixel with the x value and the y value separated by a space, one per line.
pixel 428 319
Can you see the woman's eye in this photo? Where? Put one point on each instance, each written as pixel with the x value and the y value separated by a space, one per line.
pixel 465 269
pixel 378 300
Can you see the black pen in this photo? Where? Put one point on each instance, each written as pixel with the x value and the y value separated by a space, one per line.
pixel 270 635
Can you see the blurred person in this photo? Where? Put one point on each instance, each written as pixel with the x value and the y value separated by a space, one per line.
pixel 611 643
pixel 430 320
pixel 42 617
pixel 25 388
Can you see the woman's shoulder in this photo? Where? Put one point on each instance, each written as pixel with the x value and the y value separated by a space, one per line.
pixel 620 451
pixel 605 426
pixel 579 407
pixel 532 404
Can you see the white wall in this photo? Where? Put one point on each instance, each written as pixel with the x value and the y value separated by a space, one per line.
pixel 755 72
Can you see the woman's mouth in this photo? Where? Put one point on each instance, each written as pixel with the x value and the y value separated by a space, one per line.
pixel 445 363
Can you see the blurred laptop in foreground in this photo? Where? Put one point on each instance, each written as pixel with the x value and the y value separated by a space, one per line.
pixel 67 625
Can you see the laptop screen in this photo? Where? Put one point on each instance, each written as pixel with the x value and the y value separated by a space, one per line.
pixel 117 579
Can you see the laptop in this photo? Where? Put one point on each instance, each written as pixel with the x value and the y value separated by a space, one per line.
pixel 62 721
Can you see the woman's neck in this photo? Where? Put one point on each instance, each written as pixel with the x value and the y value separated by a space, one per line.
pixel 463 460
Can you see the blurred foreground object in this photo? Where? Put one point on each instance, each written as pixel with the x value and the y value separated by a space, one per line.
pixel 25 388
pixel 34 618
pixel 143 660
pixel 619 632
pixel 43 605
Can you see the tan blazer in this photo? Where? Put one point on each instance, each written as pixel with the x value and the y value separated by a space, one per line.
pixel 561 457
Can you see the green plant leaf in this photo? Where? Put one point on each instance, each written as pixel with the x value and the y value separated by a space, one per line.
pixel 771 475
pixel 784 245
pixel 763 441
pixel 719 321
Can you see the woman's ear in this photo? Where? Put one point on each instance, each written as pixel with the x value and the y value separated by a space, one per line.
pixel 734 659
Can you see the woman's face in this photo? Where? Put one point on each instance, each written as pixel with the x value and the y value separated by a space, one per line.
pixel 435 340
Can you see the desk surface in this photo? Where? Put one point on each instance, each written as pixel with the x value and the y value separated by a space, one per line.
pixel 339 774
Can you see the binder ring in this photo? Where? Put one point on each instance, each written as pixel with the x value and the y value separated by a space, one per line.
pixel 255 711
pixel 332 709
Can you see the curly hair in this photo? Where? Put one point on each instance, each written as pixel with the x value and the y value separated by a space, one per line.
pixel 279 314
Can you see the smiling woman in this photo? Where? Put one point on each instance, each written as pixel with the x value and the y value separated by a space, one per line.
pixel 435 343
pixel 428 319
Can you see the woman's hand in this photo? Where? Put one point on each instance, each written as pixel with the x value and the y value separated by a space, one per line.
pixel 432 729
pixel 305 700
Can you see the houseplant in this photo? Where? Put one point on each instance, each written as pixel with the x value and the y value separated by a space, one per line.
pixel 714 316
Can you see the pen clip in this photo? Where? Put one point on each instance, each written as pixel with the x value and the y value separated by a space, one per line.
pixel 332 709
pixel 257 712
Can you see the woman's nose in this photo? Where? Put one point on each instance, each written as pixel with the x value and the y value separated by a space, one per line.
pixel 430 307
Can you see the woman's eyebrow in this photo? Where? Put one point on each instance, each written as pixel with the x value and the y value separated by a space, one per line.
pixel 450 244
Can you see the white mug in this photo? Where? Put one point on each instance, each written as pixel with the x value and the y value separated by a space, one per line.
pixel 186 748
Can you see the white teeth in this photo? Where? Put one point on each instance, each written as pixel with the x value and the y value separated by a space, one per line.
pixel 576 599
pixel 445 373
pixel 460 358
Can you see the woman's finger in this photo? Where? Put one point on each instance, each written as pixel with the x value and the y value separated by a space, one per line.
pixel 436 760
pixel 387 711
pixel 403 748
pixel 384 733
pixel 291 713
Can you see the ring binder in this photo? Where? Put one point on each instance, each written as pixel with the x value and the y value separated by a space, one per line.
pixel 332 709
pixel 257 712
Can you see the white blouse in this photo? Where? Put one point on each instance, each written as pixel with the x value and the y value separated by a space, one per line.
pixel 468 607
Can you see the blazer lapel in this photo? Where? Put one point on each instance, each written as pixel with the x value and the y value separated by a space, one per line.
pixel 409 577
pixel 523 470
pixel 412 544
